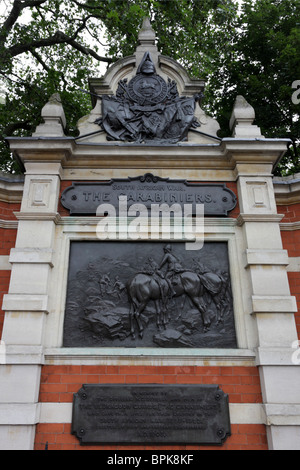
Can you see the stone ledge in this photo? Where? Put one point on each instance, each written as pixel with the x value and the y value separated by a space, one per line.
pixel 275 356
pixel 4 263
pixel 224 155
pixel 149 356
pixel 294 264
pixel 287 189
pixel 289 226
pixel 22 354
pixel 9 224
pixel 273 304
pixel 282 414
pixel 247 413
pixel 25 303
pixel 11 187
pixel 19 413
pixel 267 257
pixel 31 255
pixel 275 218
pixel 31 215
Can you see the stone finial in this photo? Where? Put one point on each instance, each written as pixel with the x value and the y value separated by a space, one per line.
pixel 147 43
pixel 54 119
pixel 242 118
pixel 147 34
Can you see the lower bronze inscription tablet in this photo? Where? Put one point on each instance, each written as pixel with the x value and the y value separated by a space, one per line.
pixel 149 294
pixel 160 414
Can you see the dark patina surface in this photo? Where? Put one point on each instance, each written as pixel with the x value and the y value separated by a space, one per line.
pixel 149 294
pixel 148 109
pixel 85 198
pixel 137 414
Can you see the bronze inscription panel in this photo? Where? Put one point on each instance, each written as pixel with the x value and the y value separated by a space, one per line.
pixel 149 190
pixel 166 414
pixel 149 294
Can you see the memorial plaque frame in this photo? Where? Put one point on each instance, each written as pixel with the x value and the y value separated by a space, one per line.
pixel 151 414
pixel 83 198
pixel 105 278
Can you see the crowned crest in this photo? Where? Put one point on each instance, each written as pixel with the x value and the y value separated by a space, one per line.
pixel 148 109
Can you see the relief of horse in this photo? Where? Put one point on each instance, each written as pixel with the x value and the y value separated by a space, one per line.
pixel 143 288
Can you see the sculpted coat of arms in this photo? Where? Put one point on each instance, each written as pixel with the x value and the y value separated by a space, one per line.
pixel 147 108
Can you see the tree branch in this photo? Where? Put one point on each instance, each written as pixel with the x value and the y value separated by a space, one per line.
pixel 58 38
pixel 85 6
pixel 18 6
pixel 11 128
pixel 40 60
pixel 32 3
pixel 81 27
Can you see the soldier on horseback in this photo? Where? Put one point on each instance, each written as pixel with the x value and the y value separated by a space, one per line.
pixel 152 269
pixel 174 267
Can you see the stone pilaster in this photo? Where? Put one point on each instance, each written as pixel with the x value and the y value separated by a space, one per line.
pixel 271 305
pixel 27 305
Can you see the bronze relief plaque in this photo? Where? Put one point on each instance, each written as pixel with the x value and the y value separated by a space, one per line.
pixel 137 414
pixel 148 294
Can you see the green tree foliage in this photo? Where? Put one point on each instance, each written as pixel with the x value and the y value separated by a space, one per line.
pixel 45 47
pixel 49 46
pixel 263 66
pixel 194 32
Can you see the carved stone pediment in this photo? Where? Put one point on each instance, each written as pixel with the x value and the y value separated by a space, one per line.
pixel 148 109
pixel 147 98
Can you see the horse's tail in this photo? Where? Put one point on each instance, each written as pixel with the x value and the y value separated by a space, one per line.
pixel 136 292
pixel 131 293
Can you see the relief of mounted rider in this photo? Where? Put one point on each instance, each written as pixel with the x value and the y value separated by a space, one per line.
pixel 198 284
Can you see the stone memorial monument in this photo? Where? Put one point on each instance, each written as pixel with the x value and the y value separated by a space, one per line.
pixel 147 274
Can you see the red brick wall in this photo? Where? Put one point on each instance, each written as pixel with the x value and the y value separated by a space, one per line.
pixel 291 243
pixel 58 383
pixel 61 210
pixel 294 281
pixel 291 212
pixel 7 210
pixel 236 211
pixel 7 240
